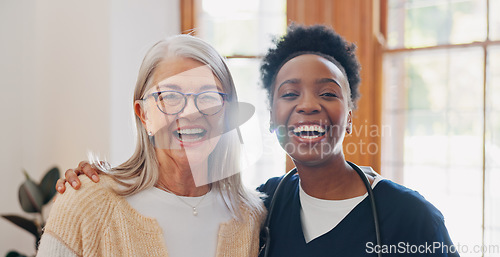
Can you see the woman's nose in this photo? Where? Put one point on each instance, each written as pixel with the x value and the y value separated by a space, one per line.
pixel 190 111
pixel 308 104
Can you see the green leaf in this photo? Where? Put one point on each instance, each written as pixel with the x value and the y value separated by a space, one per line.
pixel 24 223
pixel 48 184
pixel 30 196
pixel 14 254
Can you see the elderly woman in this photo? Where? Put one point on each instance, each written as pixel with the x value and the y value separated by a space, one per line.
pixel 180 193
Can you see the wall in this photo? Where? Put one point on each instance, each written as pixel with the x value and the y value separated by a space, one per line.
pixel 67 72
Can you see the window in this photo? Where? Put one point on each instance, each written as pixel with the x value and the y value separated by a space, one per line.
pixel 243 31
pixel 441 74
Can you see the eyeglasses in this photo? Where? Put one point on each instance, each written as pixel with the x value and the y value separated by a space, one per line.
pixel 174 102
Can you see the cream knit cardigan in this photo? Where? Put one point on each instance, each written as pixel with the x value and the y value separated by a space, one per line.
pixel 95 221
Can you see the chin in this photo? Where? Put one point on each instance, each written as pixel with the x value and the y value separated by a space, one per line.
pixel 308 160
pixel 311 155
pixel 196 158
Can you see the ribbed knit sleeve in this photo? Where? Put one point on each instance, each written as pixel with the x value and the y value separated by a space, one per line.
pixel 77 217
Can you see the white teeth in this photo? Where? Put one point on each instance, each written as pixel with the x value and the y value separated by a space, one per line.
pixel 190 139
pixel 190 131
pixel 309 137
pixel 190 135
pixel 312 131
pixel 312 128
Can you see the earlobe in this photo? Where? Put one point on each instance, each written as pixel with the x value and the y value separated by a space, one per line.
pixel 348 128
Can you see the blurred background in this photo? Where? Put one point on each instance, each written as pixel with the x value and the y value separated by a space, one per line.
pixel 427 117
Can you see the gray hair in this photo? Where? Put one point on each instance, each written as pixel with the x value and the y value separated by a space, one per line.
pixel 141 172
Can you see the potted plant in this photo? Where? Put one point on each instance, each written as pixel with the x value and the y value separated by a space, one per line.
pixel 33 197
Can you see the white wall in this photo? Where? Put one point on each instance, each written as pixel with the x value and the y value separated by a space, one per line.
pixel 136 26
pixel 67 72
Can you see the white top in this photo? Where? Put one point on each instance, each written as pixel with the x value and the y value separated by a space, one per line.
pixel 319 216
pixel 185 234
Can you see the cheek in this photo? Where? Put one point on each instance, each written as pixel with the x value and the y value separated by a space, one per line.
pixel 217 122
pixel 280 112
pixel 338 119
pixel 279 117
pixel 156 120
pixel 217 130
pixel 338 115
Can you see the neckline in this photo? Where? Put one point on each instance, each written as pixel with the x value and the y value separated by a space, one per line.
pixel 209 194
pixel 194 202
pixel 377 178
pixel 142 222
pixel 332 232
pixel 146 223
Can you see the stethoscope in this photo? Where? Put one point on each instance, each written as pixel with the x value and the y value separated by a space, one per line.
pixel 288 176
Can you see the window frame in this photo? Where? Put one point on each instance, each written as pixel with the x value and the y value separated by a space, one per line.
pixel 485 45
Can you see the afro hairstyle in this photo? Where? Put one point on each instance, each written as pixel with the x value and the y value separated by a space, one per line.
pixel 316 39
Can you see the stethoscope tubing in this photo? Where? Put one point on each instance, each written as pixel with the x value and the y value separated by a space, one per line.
pixel 287 177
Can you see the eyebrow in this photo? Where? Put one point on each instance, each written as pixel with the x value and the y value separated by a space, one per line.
pixel 207 87
pixel 169 86
pixel 318 81
pixel 289 81
pixel 178 88
pixel 327 80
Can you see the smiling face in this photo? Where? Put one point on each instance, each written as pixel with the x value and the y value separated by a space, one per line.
pixel 186 136
pixel 310 109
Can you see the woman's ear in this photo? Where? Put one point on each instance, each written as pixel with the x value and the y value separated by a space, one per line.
pixel 348 127
pixel 139 111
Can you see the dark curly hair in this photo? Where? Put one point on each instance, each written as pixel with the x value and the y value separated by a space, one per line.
pixel 316 39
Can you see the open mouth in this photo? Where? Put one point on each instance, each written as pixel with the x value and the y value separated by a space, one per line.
pixel 190 135
pixel 309 131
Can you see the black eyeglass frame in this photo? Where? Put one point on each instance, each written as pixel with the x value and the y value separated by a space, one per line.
pixel 156 95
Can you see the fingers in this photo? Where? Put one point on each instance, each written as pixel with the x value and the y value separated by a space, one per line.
pixel 60 187
pixel 71 176
pixel 88 170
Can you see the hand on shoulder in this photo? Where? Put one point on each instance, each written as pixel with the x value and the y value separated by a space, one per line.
pixel 71 176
